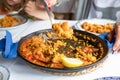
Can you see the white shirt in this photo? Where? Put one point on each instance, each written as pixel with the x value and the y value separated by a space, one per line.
pixel 66 6
pixel 108 9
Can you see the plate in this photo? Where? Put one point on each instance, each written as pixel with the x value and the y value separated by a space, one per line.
pixel 4 73
pixel 93 21
pixel 14 29
pixel 22 18
pixel 108 78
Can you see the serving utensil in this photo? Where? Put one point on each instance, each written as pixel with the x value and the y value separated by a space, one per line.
pixel 48 11
pixel 15 12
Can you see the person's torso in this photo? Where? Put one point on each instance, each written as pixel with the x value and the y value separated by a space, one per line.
pixel 108 9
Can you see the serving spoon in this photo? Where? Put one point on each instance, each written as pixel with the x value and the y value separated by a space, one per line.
pixel 48 11
pixel 15 12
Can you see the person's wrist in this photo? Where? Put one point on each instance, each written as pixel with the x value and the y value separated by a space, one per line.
pixel 117 24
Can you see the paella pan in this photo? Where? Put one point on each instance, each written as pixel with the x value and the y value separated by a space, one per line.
pixel 44 52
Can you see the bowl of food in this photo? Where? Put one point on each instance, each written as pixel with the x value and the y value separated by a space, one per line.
pixel 8 22
pixel 95 26
pixel 63 53
pixel 4 73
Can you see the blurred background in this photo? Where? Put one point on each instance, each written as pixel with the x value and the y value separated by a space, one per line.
pixel 71 9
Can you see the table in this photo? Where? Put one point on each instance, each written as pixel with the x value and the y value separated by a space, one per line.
pixel 19 70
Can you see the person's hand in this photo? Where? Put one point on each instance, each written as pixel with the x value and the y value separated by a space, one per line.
pixel 30 8
pixel 50 3
pixel 115 32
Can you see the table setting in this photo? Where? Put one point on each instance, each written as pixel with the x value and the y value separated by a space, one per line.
pixel 17 46
pixel 19 69
pixel 56 49
pixel 18 23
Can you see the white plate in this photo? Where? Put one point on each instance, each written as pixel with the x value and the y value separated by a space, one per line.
pixel 4 73
pixel 23 19
pixel 14 29
pixel 93 21
pixel 108 78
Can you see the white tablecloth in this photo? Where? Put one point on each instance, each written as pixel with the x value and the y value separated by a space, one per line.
pixel 19 70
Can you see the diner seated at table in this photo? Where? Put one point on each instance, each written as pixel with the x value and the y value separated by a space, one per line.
pixel 32 8
pixel 37 11
pixel 107 9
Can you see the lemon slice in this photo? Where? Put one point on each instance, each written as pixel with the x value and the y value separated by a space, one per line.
pixel 71 62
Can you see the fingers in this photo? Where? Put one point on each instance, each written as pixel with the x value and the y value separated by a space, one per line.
pixel 50 3
pixel 39 4
pixel 30 7
pixel 115 32
pixel 111 35
pixel 116 46
pixel 32 10
pixel 119 51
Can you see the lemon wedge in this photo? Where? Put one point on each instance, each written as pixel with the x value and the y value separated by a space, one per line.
pixel 71 62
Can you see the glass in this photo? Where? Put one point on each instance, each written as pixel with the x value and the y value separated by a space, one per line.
pixel 1 76
pixel 4 73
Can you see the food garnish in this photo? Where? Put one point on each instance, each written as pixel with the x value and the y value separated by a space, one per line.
pixel 71 62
